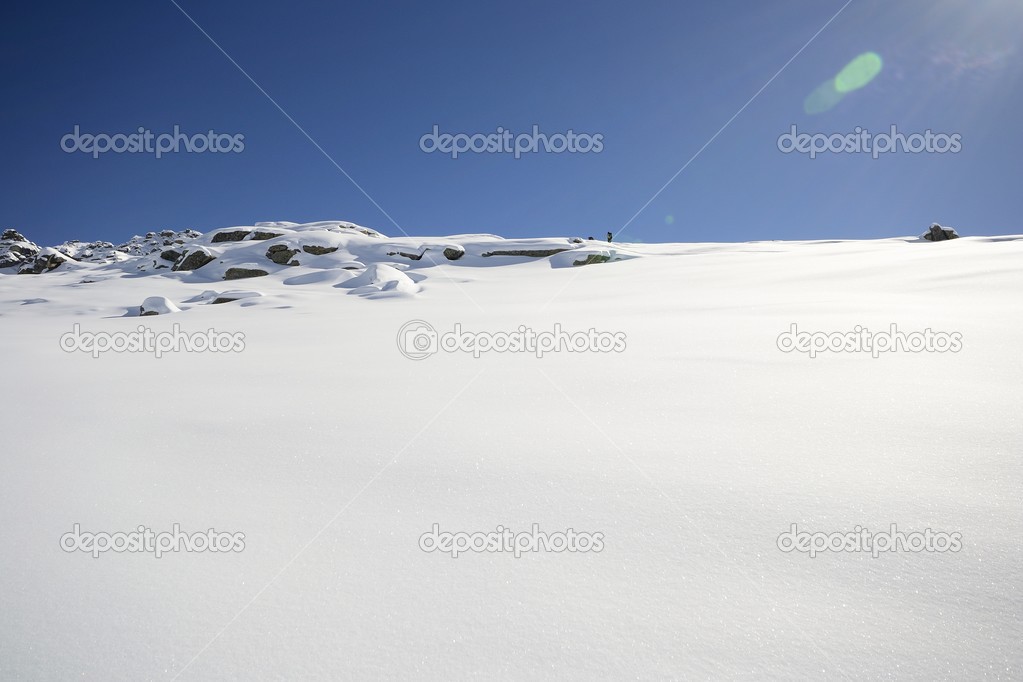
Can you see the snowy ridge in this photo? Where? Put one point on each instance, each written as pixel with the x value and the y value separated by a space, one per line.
pixel 351 257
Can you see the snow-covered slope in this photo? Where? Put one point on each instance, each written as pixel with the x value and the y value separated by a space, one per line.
pixel 691 449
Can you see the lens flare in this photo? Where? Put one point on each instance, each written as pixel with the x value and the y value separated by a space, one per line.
pixel 824 98
pixel 859 72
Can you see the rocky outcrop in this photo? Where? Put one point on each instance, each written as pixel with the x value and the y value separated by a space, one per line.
pixel 15 250
pixel 47 260
pixel 151 244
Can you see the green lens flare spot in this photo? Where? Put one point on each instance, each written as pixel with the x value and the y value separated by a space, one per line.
pixel 824 98
pixel 859 72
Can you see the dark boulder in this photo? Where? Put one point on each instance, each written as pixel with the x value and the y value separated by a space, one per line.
pixel 532 253
pixel 403 254
pixel 318 250
pixel 229 236
pixel 593 259
pixel 937 233
pixel 193 260
pixel 244 273
pixel 281 254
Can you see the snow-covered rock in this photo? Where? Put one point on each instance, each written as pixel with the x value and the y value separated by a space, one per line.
pixel 939 233
pixel 161 248
pixel 158 305
pixel 15 249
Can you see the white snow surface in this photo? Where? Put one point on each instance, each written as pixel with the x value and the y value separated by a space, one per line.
pixel 691 451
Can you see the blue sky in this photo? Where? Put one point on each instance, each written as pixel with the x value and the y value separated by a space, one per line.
pixel 656 79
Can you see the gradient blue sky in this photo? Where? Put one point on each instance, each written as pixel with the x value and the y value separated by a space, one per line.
pixel 367 79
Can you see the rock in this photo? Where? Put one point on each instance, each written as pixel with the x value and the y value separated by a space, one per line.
pixel 15 249
pixel 380 279
pixel 532 253
pixel 244 273
pixel 318 250
pixel 193 260
pixel 454 252
pixel 229 236
pixel 217 298
pixel 47 260
pixel 937 233
pixel 593 259
pixel 281 254
pixel 364 230
pixel 262 235
pixel 157 305
pixel 403 254
pixel 148 247
pixel 171 255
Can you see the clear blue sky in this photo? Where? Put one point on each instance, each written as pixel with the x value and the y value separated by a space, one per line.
pixel 367 79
